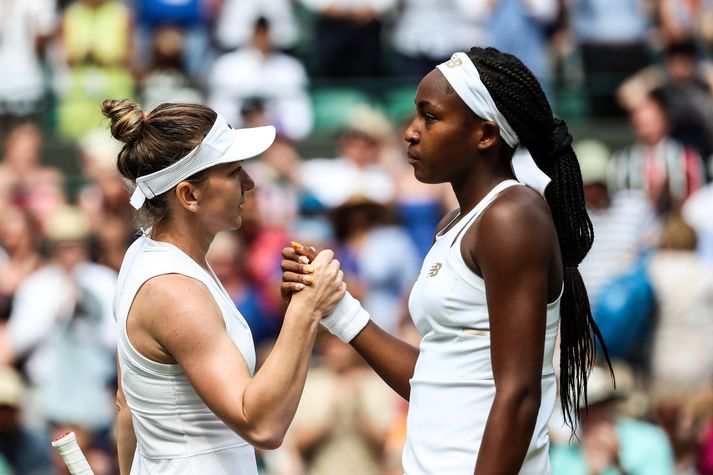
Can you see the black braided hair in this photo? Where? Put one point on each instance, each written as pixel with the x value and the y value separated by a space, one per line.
pixel 519 97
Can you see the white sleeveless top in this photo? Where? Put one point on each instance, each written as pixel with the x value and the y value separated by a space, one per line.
pixel 175 431
pixel 452 389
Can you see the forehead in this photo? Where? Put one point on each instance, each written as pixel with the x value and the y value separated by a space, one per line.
pixel 435 89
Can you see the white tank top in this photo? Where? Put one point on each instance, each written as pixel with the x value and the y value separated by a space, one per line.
pixel 452 389
pixel 175 431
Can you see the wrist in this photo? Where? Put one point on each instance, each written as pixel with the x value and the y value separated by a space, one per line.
pixel 347 320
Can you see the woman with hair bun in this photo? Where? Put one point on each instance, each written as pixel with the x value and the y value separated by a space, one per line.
pixel 499 281
pixel 189 399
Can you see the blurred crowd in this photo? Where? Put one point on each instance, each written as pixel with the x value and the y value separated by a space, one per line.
pixel 337 78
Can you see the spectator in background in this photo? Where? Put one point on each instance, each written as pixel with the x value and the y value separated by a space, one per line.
pixel 685 82
pixel 97 43
pixel 613 38
pixel 609 442
pixel 427 32
pixel 62 328
pixel 667 171
pixel 379 258
pixel 19 241
pixel 684 293
pixel 25 451
pixel 236 21
pixel 191 17
pixel 28 183
pixel 344 415
pixel 25 28
pixel 358 168
pixel 530 19
pixel 259 71
pixel 624 222
pixel 167 79
pixel 697 212
pixel 348 37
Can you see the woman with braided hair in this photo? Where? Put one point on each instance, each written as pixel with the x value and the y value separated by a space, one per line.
pixel 500 278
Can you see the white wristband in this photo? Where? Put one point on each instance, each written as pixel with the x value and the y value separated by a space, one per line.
pixel 347 320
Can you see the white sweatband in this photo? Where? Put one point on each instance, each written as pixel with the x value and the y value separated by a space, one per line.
pixel 463 76
pixel 223 144
pixel 347 320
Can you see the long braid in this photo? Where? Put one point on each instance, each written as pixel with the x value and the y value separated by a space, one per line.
pixel 519 97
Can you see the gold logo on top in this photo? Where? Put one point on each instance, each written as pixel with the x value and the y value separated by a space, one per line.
pixel 453 62
pixel 434 269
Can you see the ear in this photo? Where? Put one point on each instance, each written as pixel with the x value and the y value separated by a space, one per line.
pixel 489 135
pixel 188 196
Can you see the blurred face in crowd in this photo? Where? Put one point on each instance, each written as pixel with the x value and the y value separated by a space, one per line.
pixel 681 68
pixel 69 254
pixel 360 148
pixel 649 121
pixel 15 231
pixel 22 150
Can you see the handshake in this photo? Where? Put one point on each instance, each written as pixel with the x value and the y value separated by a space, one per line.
pixel 347 319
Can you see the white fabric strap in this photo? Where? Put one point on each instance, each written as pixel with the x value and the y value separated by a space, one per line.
pixel 463 76
pixel 347 320
pixel 222 144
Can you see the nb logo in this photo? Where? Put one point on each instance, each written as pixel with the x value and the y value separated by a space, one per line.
pixel 454 62
pixel 434 269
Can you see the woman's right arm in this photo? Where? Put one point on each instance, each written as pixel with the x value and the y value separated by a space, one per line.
pixel 188 325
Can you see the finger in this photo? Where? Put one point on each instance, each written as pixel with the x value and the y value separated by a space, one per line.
pixel 291 266
pixel 290 254
pixel 297 278
pixel 309 252
pixel 289 287
pixel 324 257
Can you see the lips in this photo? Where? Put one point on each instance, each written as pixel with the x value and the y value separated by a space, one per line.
pixel 412 157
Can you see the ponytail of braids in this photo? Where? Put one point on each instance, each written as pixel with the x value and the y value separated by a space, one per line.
pixel 520 98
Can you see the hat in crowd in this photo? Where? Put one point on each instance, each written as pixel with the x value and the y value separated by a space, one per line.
pixel 67 224
pixel 600 387
pixel 99 150
pixel 12 389
pixel 370 122
pixel 593 158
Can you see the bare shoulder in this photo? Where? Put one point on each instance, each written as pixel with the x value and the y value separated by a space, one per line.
pixel 175 307
pixel 517 226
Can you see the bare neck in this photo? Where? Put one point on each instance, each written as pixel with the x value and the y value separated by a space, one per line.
pixel 192 239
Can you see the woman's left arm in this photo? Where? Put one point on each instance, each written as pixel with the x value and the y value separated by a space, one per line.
pixel 514 251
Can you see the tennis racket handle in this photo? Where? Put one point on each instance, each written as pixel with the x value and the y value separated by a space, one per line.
pixel 68 448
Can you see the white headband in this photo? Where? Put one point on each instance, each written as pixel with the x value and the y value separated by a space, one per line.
pixel 463 76
pixel 223 144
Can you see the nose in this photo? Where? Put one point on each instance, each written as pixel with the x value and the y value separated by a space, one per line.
pixel 410 133
pixel 246 182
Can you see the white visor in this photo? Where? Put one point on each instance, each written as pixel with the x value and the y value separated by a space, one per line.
pixel 223 144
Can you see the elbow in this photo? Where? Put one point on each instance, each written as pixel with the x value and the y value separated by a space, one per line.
pixel 266 439
pixel 523 398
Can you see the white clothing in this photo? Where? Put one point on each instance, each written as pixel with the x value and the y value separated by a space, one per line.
pixel 379 6
pixel 21 23
pixel 237 18
pixel 697 212
pixel 278 79
pixel 682 356
pixel 175 431
pixel 452 388
pixel 46 304
pixel 49 295
pixel 438 28
pixel 334 181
